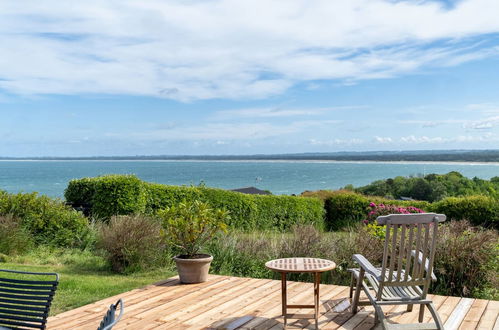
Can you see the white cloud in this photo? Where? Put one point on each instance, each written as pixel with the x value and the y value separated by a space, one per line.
pixel 432 123
pixel 229 49
pixel 270 112
pixel 335 142
pixel 486 123
pixel 379 139
pixel 223 132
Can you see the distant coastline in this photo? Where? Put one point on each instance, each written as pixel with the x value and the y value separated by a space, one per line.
pixel 437 156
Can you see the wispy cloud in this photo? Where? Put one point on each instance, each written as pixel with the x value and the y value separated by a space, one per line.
pixel 274 112
pixel 217 49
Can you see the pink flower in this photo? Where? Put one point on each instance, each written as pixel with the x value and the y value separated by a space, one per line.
pixel 372 204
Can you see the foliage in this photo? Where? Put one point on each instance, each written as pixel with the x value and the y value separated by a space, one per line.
pixel 14 239
pixel 190 224
pixel 131 243
pixel 345 208
pixel 48 220
pixel 248 212
pixel 108 195
pixel 432 187
pixel 467 262
pixel 479 210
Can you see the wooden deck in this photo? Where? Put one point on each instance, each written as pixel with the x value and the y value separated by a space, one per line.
pixel 245 303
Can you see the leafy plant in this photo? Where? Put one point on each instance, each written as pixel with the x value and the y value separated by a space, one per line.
pixel 191 224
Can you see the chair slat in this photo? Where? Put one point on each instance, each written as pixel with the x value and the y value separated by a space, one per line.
pixel 408 256
pixel 38 293
pixel 23 303
pixel 401 253
pixel 22 324
pixel 393 252
pixel 10 280
pixel 25 297
pixel 415 265
pixel 425 247
pixel 20 318
pixel 22 312
pixel 51 287
pixel 21 307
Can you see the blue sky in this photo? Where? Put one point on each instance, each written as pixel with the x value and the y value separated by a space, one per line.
pixel 83 78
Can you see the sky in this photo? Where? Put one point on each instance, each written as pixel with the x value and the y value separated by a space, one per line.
pixel 121 77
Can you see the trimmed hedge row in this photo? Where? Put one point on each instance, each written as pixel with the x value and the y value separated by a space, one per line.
pixel 126 194
pixel 47 220
pixel 479 210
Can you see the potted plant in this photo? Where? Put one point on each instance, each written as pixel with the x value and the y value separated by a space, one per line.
pixel 188 226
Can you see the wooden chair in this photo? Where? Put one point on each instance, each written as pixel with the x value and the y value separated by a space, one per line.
pixel 110 318
pixel 25 303
pixel 406 271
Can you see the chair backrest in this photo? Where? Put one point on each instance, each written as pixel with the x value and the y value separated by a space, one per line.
pixel 410 240
pixel 25 298
pixel 110 318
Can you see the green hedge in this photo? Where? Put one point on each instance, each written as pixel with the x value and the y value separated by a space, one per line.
pixel 108 195
pixel 118 194
pixel 479 210
pixel 48 220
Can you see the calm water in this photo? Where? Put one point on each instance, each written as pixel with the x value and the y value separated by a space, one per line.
pixel 51 177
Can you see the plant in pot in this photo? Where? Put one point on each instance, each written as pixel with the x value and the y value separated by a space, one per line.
pixel 188 226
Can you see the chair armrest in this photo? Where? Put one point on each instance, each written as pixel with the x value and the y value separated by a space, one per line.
pixel 426 263
pixel 366 265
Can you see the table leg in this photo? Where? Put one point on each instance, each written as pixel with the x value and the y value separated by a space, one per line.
pixel 316 298
pixel 284 298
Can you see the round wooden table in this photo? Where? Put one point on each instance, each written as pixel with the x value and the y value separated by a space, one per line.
pixel 301 265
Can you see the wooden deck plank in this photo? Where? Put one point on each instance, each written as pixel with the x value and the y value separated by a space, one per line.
pixel 474 315
pixel 458 314
pixel 243 303
pixel 489 317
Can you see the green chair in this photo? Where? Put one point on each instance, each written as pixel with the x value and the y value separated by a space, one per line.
pixel 25 298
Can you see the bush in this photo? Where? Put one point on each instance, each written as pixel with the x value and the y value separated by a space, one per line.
pixel 14 239
pixel 132 243
pixel 479 210
pixel 466 261
pixel 127 195
pixel 108 195
pixel 345 209
pixel 48 220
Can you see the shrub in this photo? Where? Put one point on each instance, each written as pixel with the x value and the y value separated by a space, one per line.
pixel 127 194
pixel 479 210
pixel 132 242
pixel 14 239
pixel 466 260
pixel 48 220
pixel 345 209
pixel 108 195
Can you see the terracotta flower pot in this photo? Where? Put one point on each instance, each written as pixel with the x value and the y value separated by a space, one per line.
pixel 193 269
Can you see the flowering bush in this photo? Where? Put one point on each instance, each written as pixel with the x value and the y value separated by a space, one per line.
pixel 381 209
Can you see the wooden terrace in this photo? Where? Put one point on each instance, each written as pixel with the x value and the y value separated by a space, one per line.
pixel 225 302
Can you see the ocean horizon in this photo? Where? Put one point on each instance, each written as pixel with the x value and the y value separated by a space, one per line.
pixel 50 177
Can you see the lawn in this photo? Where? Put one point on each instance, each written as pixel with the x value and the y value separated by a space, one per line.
pixel 84 278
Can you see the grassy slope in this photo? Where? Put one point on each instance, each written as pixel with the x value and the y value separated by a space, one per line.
pixel 83 278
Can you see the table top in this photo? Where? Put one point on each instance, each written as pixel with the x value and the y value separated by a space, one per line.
pixel 300 265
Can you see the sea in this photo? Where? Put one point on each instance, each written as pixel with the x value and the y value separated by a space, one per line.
pixel 51 177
